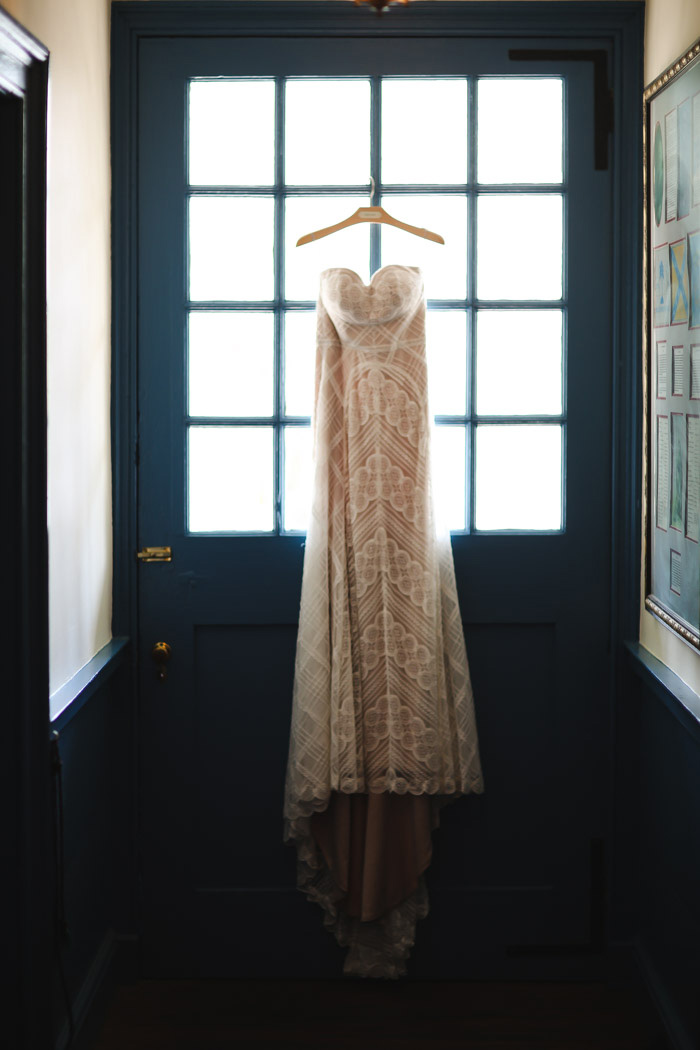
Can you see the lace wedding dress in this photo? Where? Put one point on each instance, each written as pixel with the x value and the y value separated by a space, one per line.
pixel 383 730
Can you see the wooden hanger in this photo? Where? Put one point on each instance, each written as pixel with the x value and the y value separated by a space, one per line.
pixel 374 213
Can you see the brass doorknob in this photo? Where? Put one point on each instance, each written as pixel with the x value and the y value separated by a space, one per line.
pixel 161 653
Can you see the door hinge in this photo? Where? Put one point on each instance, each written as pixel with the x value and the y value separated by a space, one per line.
pixel 155 554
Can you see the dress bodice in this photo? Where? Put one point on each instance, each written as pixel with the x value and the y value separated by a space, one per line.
pixel 393 296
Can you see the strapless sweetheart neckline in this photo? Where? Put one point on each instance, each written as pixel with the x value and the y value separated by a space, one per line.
pixel 377 273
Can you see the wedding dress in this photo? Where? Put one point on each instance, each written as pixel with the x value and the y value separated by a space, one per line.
pixel 383 730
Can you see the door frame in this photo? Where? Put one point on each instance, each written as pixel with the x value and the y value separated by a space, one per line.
pixel 588 25
pixel 25 797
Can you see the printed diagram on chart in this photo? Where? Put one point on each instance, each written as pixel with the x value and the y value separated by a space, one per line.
pixel 679 282
pixel 662 288
pixel 677 470
pixel 658 173
pixel 694 268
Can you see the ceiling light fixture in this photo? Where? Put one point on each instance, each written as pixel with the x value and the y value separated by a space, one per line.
pixel 380 5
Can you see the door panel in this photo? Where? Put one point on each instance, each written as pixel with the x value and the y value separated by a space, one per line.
pixel 261 656
pixel 511 867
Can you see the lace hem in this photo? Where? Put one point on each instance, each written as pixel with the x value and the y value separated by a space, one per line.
pixel 304 797
pixel 378 948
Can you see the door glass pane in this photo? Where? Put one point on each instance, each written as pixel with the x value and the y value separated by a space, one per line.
pixel 519 246
pixel 230 479
pixel 349 248
pixel 520 129
pixel 446 345
pixel 424 131
pixel 327 138
pixel 297 478
pixel 299 362
pixel 449 476
pixel 231 248
pixel 231 358
pixel 232 133
pixel 518 477
pixel 444 266
pixel 519 362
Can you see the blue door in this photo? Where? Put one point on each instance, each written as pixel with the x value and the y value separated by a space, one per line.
pixel 243 145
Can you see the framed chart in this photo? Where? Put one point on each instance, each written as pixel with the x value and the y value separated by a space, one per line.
pixel 672 345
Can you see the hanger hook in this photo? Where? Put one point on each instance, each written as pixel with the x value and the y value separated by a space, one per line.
pixel 373 190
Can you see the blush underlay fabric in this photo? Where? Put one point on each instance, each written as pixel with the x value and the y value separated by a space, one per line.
pixel 376 847
pixel 383 730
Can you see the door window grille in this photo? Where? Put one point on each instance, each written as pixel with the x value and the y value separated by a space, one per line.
pixel 482 161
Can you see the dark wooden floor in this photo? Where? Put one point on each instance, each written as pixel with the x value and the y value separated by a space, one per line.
pixel 363 1015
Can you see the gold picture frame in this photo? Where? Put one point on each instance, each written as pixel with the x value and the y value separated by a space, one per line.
pixel 671 331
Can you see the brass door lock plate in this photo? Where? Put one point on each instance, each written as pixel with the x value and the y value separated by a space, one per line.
pixel 155 554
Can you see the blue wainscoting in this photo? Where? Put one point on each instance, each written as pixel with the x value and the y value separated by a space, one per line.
pixel 97 751
pixel 657 869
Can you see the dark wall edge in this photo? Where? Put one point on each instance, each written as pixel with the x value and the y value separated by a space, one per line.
pixel 25 813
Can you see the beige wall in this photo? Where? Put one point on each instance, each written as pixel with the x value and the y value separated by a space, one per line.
pixel 671 27
pixel 78 290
